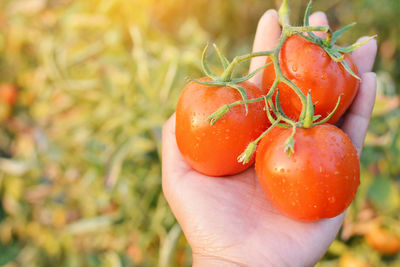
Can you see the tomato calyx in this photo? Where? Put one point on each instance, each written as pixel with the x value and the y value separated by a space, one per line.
pixel 328 43
pixel 282 120
pixel 309 121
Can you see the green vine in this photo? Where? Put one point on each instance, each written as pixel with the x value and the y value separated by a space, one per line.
pixel 307 118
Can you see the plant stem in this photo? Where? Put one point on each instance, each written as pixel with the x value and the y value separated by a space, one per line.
pixel 268 130
pixel 284 14
pixel 227 74
pixel 294 30
pixel 279 77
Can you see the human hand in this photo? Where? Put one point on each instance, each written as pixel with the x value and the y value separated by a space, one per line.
pixel 229 220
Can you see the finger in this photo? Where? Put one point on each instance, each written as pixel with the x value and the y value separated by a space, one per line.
pixel 319 19
pixel 356 121
pixel 173 165
pixel 364 57
pixel 267 36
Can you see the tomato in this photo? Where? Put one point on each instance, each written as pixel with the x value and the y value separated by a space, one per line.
pixel 213 149
pixel 8 94
pixel 383 241
pixel 319 180
pixel 309 67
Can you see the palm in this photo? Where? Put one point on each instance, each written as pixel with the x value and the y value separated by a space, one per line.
pixel 232 213
pixel 229 218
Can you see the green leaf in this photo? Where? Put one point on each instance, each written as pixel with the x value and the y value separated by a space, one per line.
pixel 309 112
pixel 308 38
pixel 335 55
pixel 349 70
pixel 327 118
pixel 204 65
pixel 336 35
pixel 351 48
pixel 222 58
pixel 306 20
pixel 278 105
pixel 242 93
pixel 209 83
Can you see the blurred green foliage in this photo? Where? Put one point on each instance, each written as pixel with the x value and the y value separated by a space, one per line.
pixel 80 156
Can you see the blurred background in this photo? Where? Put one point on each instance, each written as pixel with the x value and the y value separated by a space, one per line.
pixel 85 86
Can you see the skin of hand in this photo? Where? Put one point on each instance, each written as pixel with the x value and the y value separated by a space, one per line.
pixel 228 221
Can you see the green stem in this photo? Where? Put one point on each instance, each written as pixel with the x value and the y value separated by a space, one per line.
pixel 268 103
pixel 251 148
pixel 328 38
pixel 309 112
pixel 327 118
pixel 288 121
pixel 284 14
pixel 266 131
pixel 282 78
pixel 289 144
pixel 273 87
pixel 294 30
pixel 213 118
pixel 227 74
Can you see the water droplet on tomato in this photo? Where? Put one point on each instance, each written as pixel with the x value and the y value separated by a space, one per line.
pixel 294 68
pixel 332 199
pixel 324 76
pixel 315 206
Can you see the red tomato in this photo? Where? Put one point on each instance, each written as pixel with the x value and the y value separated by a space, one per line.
pixel 213 149
pixel 309 67
pixel 319 180
pixel 8 94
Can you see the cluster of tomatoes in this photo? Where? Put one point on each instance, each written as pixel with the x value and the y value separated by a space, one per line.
pixel 319 179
